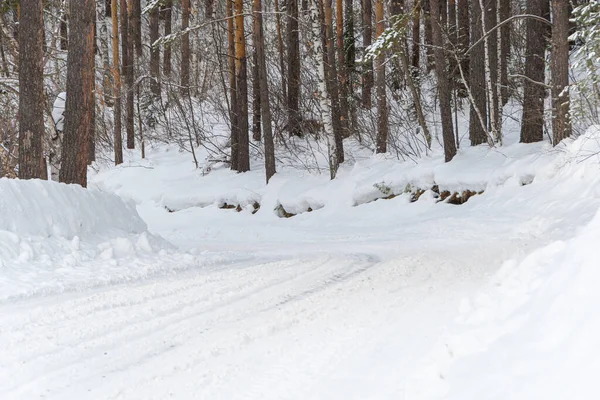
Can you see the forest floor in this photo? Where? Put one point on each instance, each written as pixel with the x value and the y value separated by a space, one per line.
pixel 357 299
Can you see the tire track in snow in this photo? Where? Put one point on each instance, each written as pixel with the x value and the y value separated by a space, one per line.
pixel 169 318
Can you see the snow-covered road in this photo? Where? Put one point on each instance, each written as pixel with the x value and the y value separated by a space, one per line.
pixel 350 301
pixel 323 327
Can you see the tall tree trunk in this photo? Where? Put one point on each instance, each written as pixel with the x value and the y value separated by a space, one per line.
pixel 350 53
pixel 185 48
pixel 235 105
pixel 561 125
pixel 490 46
pixel 136 21
pixel 281 48
pixel 442 82
pixel 293 47
pixel 382 112
pixel 504 13
pixel 332 85
pixel 341 67
pixel 397 77
pixel 477 130
pixel 367 75
pixel 532 125
pixel 167 16
pixel 463 35
pixel 129 82
pixel 259 42
pixel 64 32
pixel 256 92
pixel 154 53
pixel 242 87
pixel 416 40
pixel 452 33
pixel 118 138
pixel 349 42
pixel 31 88
pixel 256 102
pixel 428 33
pixel 80 93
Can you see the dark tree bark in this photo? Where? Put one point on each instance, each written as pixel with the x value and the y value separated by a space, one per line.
pixel 367 75
pixel 242 88
pixel 256 92
pixel 452 32
pixel 259 42
pixel 332 82
pixel 505 13
pixel 477 85
pixel 154 52
pixel 428 33
pixel 79 110
pixel 281 48
pixel 185 48
pixel 532 125
pixel 463 35
pixel 118 138
pixel 129 82
pixel 349 41
pixel 136 20
pixel 64 32
pixel 124 25
pixel 256 102
pixel 443 83
pixel 382 112
pixel 561 124
pixel 293 47
pixel 31 87
pixel 396 7
pixel 167 17
pixel 416 39
pixel 341 68
pixel 235 106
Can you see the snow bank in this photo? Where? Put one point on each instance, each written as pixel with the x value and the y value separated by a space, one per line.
pixel 56 237
pixel 49 209
pixel 532 332
pixel 169 179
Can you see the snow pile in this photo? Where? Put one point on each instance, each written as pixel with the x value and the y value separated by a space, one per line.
pixel 48 209
pixel 57 237
pixel 532 333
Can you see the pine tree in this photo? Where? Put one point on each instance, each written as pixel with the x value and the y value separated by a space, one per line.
pixel 259 42
pixel 242 88
pixel 31 87
pixel 561 125
pixel 532 125
pixel 293 48
pixel 442 82
pixel 382 111
pixel 79 109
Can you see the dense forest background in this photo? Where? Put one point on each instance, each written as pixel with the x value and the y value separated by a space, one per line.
pixel 282 80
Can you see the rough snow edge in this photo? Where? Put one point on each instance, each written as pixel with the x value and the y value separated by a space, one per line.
pixel 50 209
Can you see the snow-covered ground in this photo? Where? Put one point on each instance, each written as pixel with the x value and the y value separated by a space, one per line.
pixel 356 299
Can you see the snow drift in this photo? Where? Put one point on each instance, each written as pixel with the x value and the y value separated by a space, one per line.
pixel 532 332
pixel 56 237
pixel 49 209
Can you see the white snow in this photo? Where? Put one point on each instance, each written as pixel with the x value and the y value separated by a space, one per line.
pixel 358 299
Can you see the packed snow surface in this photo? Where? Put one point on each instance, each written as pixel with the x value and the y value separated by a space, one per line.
pixel 349 299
